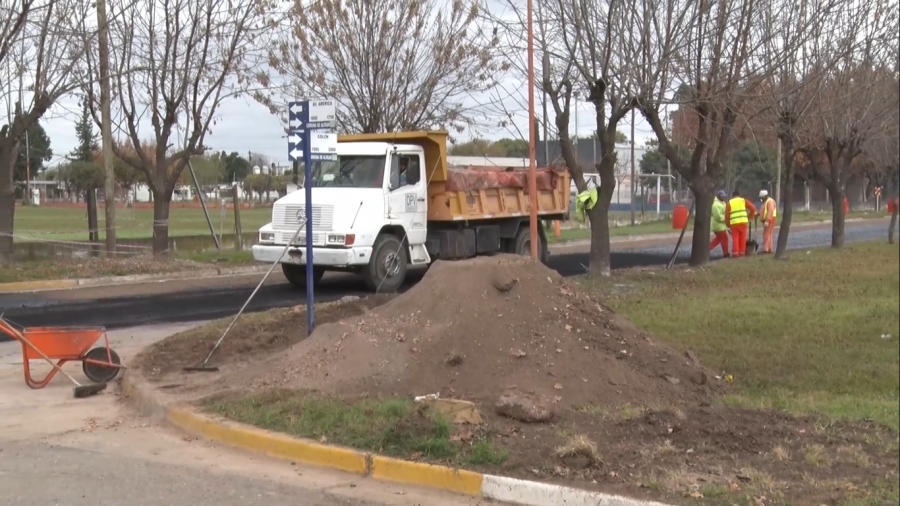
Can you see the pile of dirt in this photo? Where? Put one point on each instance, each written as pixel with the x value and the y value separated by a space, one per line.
pixel 253 335
pixel 479 328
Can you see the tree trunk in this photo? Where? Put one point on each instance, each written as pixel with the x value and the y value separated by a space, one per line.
pixel 837 216
pixel 7 199
pixel 161 204
pixel 893 224
pixel 787 156
pixel 703 198
pixel 91 200
pixel 599 256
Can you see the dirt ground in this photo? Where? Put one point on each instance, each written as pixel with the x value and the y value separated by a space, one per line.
pixel 631 415
pixel 254 335
pixel 67 268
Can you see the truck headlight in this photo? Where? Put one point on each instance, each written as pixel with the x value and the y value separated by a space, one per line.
pixel 341 239
pixel 266 237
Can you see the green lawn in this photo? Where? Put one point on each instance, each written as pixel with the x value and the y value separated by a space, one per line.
pixel 816 333
pixel 62 224
pixel 389 426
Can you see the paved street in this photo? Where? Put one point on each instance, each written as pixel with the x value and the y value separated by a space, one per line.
pixel 57 450
pixel 192 300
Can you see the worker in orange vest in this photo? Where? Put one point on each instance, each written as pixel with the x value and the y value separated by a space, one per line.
pixel 738 213
pixel 767 214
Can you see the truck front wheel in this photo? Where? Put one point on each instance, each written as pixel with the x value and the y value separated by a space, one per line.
pixel 387 267
pixel 296 274
pixel 522 243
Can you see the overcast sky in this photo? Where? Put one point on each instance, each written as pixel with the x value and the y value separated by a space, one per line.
pixel 244 125
pixel 248 126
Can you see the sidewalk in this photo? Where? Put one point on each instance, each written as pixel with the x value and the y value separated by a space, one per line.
pixel 67 284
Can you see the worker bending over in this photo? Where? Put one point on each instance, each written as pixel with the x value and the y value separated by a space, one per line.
pixel 719 225
pixel 738 213
pixel 767 213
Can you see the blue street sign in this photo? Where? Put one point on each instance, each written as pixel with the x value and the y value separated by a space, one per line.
pixel 311 114
pixel 310 138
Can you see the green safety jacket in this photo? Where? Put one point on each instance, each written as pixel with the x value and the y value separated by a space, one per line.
pixel 718 216
pixel 585 201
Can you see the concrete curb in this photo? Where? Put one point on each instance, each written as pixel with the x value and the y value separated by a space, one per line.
pixel 67 284
pixel 498 488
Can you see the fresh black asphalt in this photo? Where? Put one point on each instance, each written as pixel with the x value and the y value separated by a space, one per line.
pixel 205 304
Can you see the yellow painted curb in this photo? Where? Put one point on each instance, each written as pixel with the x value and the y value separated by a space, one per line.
pixel 452 480
pixel 270 443
pixel 27 286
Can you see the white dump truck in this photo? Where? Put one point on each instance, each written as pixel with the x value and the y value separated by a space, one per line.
pixel 391 203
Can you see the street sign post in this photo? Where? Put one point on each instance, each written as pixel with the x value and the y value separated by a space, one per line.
pixel 311 139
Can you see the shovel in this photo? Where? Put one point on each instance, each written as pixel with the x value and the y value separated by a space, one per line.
pixel 752 244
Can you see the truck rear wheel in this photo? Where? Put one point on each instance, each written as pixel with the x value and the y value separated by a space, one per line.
pixel 296 274
pixel 522 243
pixel 387 267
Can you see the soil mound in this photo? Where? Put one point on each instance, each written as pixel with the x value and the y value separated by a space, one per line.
pixel 477 328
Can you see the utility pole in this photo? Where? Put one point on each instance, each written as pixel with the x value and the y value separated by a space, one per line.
pixel 546 161
pixel 27 170
pixel 106 129
pixel 778 173
pixel 632 168
pixel 532 134
pixel 668 163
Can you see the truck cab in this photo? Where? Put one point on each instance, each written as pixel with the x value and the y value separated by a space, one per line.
pixel 371 215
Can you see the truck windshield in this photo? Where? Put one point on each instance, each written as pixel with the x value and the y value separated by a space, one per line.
pixel 350 172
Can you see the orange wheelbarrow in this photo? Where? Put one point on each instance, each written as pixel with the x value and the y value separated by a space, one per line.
pixel 65 344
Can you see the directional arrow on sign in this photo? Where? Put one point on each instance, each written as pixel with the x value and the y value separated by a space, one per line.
pixel 295 154
pixel 294 139
pixel 296 107
pixel 295 123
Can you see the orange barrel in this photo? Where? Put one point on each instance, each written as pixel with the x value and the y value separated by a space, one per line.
pixel 846 206
pixel 890 207
pixel 679 216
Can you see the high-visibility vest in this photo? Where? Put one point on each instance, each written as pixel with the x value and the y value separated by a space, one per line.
pixel 769 210
pixel 738 211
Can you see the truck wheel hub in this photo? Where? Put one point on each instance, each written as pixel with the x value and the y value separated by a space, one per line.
pixel 391 264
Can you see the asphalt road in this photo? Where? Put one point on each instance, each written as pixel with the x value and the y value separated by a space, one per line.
pixel 40 474
pixel 161 305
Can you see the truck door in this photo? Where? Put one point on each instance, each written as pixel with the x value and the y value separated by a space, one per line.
pixel 407 202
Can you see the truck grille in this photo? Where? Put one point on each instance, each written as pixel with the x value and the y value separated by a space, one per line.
pixel 290 216
pixel 284 237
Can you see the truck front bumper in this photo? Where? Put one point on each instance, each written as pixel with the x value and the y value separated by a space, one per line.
pixel 326 257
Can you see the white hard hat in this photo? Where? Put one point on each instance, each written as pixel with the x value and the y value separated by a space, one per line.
pixel 763 193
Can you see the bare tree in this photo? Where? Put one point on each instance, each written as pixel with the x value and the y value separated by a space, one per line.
pixel 586 49
pixel 881 163
pixel 799 41
pixel 599 38
pixel 175 62
pixel 712 58
pixel 40 47
pixel 390 65
pixel 856 102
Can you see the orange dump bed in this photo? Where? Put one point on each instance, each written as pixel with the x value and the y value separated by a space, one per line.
pixel 476 193
pixel 472 178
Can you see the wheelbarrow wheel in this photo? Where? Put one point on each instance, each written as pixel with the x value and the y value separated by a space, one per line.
pixel 99 373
